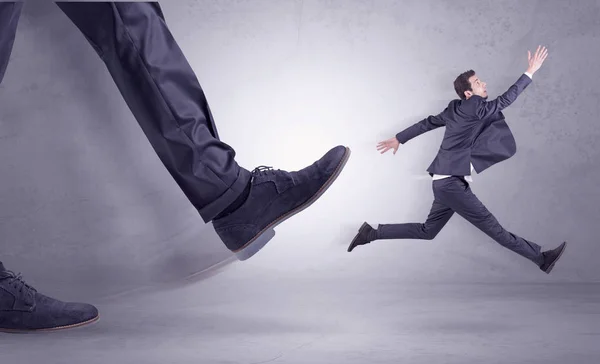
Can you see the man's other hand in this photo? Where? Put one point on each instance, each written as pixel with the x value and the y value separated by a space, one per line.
pixel 386 145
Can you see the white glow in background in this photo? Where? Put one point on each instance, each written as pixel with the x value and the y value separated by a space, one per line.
pixel 289 81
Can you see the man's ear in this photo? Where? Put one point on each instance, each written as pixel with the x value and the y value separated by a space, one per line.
pixel 468 94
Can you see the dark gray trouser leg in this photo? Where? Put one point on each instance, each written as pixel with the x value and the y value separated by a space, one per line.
pixel 456 193
pixel 437 219
pixel 164 94
pixel 9 19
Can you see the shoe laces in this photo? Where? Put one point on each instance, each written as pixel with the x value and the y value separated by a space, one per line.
pixel 262 169
pixel 17 282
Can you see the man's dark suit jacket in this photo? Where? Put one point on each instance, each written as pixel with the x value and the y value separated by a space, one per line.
pixel 476 133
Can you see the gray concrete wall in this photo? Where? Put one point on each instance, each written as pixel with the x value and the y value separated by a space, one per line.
pixel 87 209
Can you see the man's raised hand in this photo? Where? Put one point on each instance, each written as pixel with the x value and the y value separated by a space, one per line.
pixel 537 60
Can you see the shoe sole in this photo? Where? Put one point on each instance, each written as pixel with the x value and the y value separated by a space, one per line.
pixel 353 243
pixel 556 260
pixel 265 235
pixel 59 328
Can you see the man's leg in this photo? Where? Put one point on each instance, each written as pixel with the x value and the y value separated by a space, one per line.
pixel 456 193
pixel 10 12
pixel 162 91
pixel 164 95
pixel 22 308
pixel 438 217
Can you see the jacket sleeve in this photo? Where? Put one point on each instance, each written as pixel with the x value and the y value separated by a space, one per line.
pixel 430 123
pixel 478 107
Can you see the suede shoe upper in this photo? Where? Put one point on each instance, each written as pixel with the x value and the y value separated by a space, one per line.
pixel 274 194
pixel 22 308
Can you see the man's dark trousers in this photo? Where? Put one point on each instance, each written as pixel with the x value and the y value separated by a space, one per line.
pixel 160 88
pixel 453 194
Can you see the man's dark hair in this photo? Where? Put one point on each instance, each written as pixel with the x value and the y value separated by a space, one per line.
pixel 462 84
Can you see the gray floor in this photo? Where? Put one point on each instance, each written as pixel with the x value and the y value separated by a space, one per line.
pixel 240 317
pixel 88 213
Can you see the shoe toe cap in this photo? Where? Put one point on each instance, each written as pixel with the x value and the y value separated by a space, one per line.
pixel 81 312
pixel 52 313
pixel 330 161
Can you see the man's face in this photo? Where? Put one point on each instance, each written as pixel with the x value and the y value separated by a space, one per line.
pixel 479 87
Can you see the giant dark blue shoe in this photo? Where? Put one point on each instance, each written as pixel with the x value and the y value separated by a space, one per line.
pixel 23 309
pixel 274 197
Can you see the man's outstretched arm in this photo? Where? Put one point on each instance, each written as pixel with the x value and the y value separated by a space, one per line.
pixel 480 108
pixel 429 123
